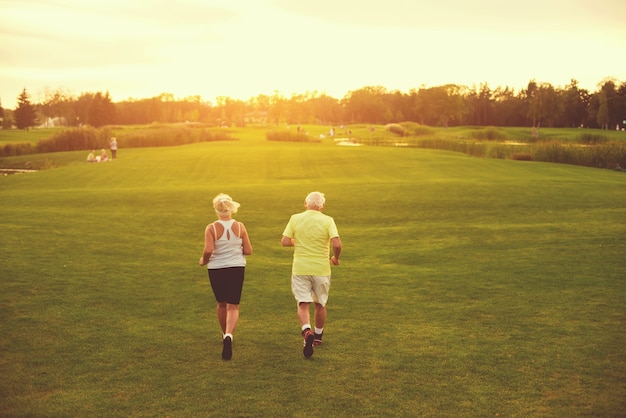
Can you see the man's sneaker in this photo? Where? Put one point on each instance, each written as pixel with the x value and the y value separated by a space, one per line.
pixel 308 344
pixel 227 349
pixel 318 339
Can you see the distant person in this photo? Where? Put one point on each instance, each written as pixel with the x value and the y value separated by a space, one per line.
pixel 91 158
pixel 103 156
pixel 113 147
pixel 311 233
pixel 226 245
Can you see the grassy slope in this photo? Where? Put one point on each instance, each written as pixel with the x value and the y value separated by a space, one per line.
pixel 468 286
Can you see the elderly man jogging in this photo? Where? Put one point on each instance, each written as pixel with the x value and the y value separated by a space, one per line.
pixel 312 233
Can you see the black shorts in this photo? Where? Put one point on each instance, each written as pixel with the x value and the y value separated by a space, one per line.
pixel 227 284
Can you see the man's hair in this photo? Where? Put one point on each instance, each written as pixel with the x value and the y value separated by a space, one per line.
pixel 315 200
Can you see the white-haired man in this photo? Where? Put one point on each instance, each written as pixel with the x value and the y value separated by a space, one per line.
pixel 312 234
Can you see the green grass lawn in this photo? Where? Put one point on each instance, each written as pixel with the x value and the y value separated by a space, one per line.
pixel 32 136
pixel 468 287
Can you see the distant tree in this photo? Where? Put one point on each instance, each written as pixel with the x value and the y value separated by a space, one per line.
pixel 549 108
pixel 480 105
pixel 56 104
pixel 102 111
pixel 441 105
pixel 414 111
pixel 542 104
pixel 232 111
pixel 602 117
pixel 257 108
pixel 366 105
pixel 574 101
pixel 532 102
pixel 613 103
pixel 621 104
pixel 398 107
pixel 168 112
pixel 277 108
pixel 7 120
pixel 25 114
pixel 326 109
pixel 296 110
pixel 508 108
pixel 163 109
pixel 95 109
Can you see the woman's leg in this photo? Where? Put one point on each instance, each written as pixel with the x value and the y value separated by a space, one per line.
pixel 222 315
pixel 232 316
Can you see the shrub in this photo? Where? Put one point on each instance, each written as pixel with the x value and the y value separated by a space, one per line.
pixel 75 139
pixel 489 133
pixel 522 156
pixel 395 128
pixel 375 140
pixel 166 136
pixel 12 150
pixel 467 147
pixel 499 151
pixel 591 138
pixel 610 155
pixel 436 144
pixel 89 138
pixel 415 129
pixel 475 149
pixel 554 152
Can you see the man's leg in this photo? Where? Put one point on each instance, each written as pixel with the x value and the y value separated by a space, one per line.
pixel 320 315
pixel 304 315
pixel 320 320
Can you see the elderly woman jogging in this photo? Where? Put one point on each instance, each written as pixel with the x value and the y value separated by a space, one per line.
pixel 226 245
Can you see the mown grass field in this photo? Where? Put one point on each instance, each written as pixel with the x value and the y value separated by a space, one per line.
pixel 32 136
pixel 583 147
pixel 468 287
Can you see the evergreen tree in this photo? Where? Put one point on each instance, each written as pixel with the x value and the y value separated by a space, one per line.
pixel 25 114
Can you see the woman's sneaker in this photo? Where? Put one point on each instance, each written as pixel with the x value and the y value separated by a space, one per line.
pixel 317 341
pixel 227 349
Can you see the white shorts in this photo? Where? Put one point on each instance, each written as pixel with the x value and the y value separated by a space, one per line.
pixel 310 288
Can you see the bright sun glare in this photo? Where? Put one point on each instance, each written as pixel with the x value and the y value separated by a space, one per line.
pixel 214 48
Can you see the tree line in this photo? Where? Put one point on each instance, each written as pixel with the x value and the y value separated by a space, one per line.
pixel 539 104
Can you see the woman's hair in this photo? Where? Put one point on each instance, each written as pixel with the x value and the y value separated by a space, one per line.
pixel 225 205
pixel 315 200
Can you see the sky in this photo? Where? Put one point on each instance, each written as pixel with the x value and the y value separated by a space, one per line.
pixel 137 49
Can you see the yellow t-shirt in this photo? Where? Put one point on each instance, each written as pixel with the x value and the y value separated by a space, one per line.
pixel 311 231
